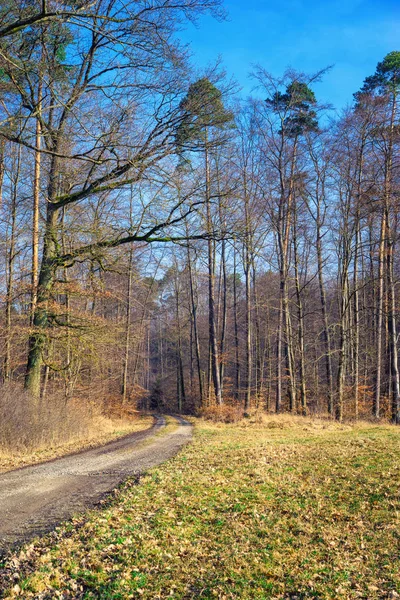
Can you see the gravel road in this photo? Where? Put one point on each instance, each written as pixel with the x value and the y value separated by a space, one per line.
pixel 33 500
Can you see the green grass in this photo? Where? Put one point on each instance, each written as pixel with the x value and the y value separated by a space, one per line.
pixel 287 508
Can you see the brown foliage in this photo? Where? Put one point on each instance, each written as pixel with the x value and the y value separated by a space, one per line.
pixel 25 425
pixel 225 413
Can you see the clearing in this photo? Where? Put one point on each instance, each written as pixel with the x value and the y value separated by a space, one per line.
pixel 281 508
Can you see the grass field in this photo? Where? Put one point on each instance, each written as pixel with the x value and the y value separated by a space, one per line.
pixel 283 508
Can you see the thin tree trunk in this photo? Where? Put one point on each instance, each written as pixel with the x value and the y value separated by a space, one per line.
pixel 344 304
pixel 214 357
pixel 224 315
pixel 356 317
pixel 390 243
pixel 284 240
pixel 193 301
pixel 325 330
pixel 124 386
pixel 247 273
pixel 36 199
pixel 300 311
pixel 2 148
pixel 247 397
pixel 69 378
pixel 343 351
pixel 180 372
pixel 257 335
pixel 278 400
pixel 379 320
pixel 10 268
pixel 393 335
pixel 236 328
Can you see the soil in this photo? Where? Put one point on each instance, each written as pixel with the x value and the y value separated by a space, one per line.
pixel 33 500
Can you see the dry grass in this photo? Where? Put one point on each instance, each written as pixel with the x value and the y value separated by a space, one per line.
pixel 32 433
pixel 283 508
pixel 233 412
pixel 287 420
pixel 224 413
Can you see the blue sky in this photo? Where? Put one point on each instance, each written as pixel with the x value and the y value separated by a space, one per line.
pixel 352 35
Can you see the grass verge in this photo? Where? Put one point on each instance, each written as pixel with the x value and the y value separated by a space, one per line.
pixel 284 508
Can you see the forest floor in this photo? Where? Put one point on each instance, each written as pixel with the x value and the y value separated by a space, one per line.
pixel 285 507
pixel 101 431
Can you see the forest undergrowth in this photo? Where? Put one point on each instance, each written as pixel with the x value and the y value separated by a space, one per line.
pixel 270 507
pixel 33 432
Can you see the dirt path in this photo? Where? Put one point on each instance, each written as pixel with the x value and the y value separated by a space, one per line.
pixel 35 499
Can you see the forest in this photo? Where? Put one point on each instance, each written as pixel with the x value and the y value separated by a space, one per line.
pixel 168 243
pixel 199 300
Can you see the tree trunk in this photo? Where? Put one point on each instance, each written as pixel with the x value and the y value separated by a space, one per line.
pixel 247 273
pixel 300 314
pixel 10 268
pixel 2 148
pixel 38 339
pixel 224 315
pixel 35 217
pixel 195 326
pixel 236 328
pixel 180 373
pixel 214 357
pixel 278 400
pixel 343 351
pixel 325 331
pixel 257 335
pixel 127 345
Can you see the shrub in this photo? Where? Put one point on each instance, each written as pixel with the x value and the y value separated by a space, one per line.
pixel 225 413
pixel 28 425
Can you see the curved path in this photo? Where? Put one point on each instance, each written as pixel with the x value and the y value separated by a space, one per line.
pixel 35 499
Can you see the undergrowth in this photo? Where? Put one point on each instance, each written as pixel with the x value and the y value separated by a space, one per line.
pixel 33 431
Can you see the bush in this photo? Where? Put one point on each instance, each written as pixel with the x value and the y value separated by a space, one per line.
pixel 29 425
pixel 225 413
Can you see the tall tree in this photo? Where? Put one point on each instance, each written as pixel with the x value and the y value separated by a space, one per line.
pixel 284 118
pixel 204 113
pixel 385 84
pixel 125 142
